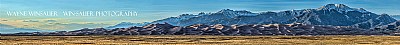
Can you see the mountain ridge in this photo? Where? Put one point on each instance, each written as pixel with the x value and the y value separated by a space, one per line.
pixel 4 29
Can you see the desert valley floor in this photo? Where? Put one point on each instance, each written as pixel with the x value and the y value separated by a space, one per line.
pixel 197 40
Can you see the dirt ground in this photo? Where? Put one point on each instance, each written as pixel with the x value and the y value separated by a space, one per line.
pixel 198 40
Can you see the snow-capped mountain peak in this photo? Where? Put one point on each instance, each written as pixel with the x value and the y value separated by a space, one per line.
pixel 225 11
pixel 341 8
pixel 234 13
pixel 127 24
pixel 334 6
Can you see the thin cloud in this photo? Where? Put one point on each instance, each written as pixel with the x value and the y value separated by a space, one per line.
pixel 4 20
pixel 30 21
pixel 51 21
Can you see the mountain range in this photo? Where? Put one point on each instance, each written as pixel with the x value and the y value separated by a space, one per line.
pixel 330 14
pixel 293 29
pixel 11 29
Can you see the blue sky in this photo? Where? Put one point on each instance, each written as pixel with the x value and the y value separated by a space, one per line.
pixel 150 10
